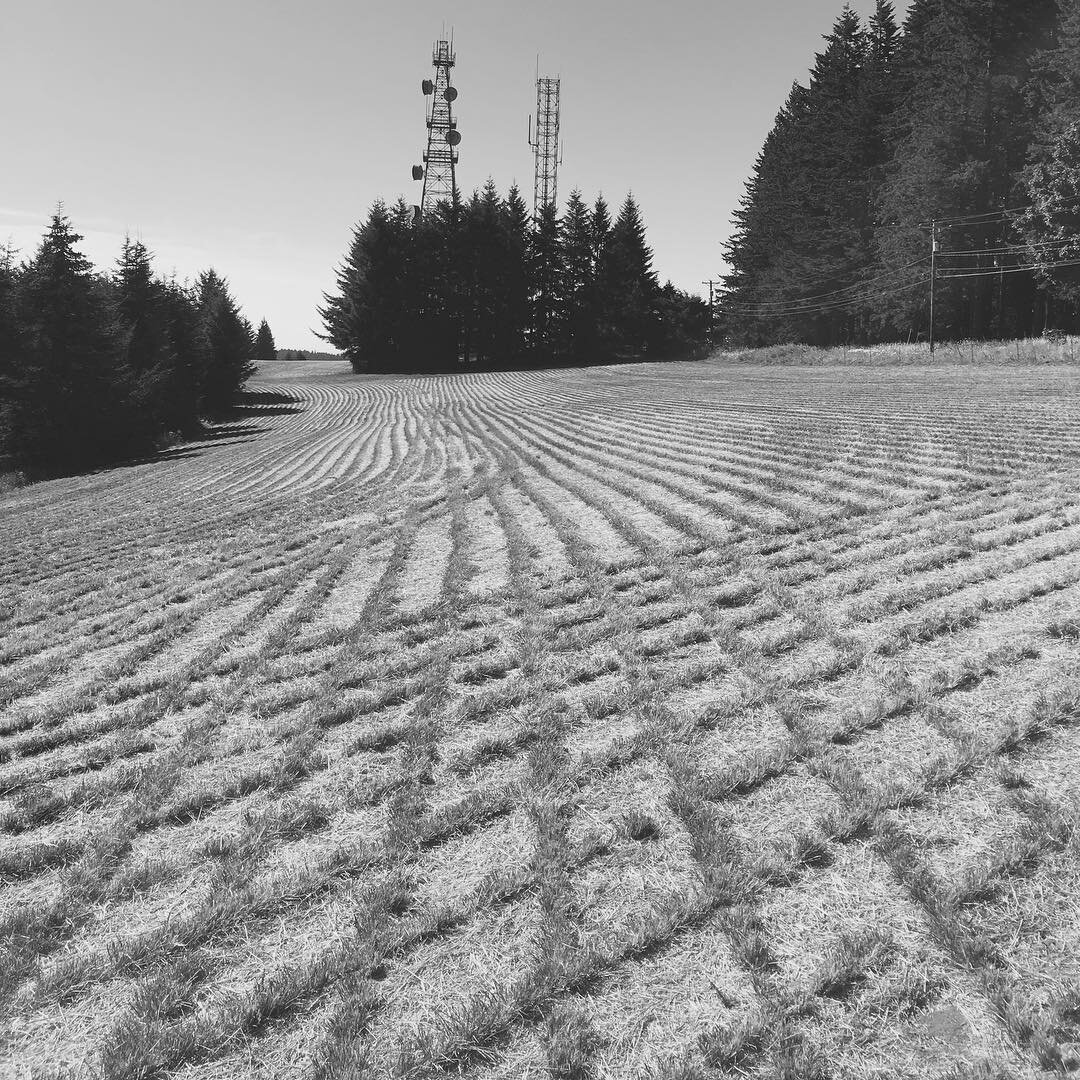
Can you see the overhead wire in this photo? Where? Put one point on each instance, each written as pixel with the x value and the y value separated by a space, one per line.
pixel 990 216
pixel 1015 249
pixel 1002 212
pixel 862 292
pixel 822 309
pixel 994 272
pixel 840 293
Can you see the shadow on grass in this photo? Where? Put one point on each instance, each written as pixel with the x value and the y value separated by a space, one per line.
pixel 264 403
pixel 235 426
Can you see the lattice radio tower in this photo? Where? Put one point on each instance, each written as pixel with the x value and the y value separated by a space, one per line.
pixel 437 172
pixel 546 149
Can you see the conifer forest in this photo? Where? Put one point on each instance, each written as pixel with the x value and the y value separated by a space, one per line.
pixel 959 130
pixel 98 367
pixel 485 281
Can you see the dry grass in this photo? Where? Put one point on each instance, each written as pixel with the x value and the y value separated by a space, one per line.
pixel 682 722
pixel 1061 349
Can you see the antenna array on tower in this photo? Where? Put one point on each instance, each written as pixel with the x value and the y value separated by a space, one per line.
pixel 438 170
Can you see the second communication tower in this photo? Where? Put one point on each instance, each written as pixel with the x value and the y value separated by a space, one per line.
pixel 546 150
pixel 438 170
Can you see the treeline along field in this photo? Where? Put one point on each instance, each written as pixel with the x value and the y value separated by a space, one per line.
pixel 98 367
pixel 654 720
pixel 962 127
pixel 480 282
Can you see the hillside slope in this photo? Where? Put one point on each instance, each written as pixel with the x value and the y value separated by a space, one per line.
pixel 656 720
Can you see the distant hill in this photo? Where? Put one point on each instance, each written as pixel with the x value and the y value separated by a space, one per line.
pixel 307 354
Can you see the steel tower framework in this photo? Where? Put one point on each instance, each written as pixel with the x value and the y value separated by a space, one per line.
pixel 438 170
pixel 546 144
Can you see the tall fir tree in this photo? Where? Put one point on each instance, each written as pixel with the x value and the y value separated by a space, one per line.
pixel 228 344
pixel 759 251
pixel 144 321
pixel 600 311
pixel 74 405
pixel 804 227
pixel 629 284
pixel 576 323
pixel 12 359
pixel 963 132
pixel 444 319
pixel 265 349
pixel 546 272
pixel 514 334
pixel 367 317
pixel 1051 180
pixel 180 406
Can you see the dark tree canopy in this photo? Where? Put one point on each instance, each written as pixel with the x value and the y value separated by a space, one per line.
pixel 478 282
pixel 265 349
pixel 97 367
pixel 956 118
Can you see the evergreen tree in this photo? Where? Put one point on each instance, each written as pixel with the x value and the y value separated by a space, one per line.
pixel 629 286
pixel 490 266
pixel 759 250
pixel 366 318
pixel 963 132
pixel 147 347
pixel 576 324
pixel 600 226
pixel 187 344
pixel 228 344
pixel 1051 227
pixel 803 228
pixel 72 405
pixel 601 314
pixel 265 349
pixel 12 359
pixel 444 319
pixel 682 326
pixel 833 170
pixel 514 335
pixel 546 275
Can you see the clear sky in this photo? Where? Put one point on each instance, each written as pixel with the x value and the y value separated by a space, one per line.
pixel 251 135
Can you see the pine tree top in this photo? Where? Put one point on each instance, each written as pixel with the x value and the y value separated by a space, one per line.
pixel 58 252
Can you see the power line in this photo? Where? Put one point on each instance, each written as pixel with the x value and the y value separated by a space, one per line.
pixel 986 217
pixel 1017 249
pixel 837 305
pixel 838 293
pixel 989 216
pixel 852 295
pixel 1010 270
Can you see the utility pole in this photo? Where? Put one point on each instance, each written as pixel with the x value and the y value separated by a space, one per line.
pixel 712 283
pixel 933 278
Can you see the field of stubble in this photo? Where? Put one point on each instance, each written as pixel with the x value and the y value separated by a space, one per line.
pixel 676 722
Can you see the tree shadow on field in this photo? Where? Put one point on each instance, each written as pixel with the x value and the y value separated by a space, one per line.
pixel 237 425
pixel 264 403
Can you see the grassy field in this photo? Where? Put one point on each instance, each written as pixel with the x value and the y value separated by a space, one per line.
pixel 671 722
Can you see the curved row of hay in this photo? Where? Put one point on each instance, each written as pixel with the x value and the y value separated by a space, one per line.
pixel 639 721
